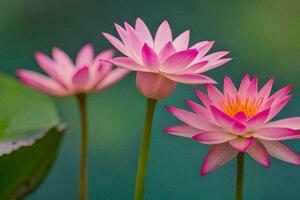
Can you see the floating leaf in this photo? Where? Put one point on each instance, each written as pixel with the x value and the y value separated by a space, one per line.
pixel 24 113
pixel 22 170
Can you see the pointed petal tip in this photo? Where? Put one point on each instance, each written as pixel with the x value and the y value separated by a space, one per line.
pixel 209 86
pixel 169 108
pixel 247 75
pixel 165 22
pixel 268 165
pixel 195 136
pixel 19 72
pixel 37 54
pixel 117 26
pixel 105 34
pixel 187 101
pixel 88 45
pixel 139 20
pixel 212 81
pixel 298 162
pixel 272 78
pixel 203 172
pixel 166 130
pixel 55 49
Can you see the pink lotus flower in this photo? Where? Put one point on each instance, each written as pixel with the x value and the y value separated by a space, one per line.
pixel 88 74
pixel 239 121
pixel 163 61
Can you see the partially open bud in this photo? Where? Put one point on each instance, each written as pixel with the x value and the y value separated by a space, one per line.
pixel 154 85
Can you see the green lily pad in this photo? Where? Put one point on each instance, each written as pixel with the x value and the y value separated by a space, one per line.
pixel 23 111
pixel 22 170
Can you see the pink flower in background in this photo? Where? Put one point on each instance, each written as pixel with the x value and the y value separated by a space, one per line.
pixel 238 120
pixel 163 61
pixel 88 74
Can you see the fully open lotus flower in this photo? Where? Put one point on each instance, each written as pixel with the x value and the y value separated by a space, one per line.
pixel 88 74
pixel 238 120
pixel 163 61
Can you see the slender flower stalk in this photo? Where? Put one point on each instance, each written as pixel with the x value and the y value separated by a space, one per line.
pixel 238 121
pixel 144 150
pixel 161 62
pixel 83 177
pixel 65 78
pixel 239 176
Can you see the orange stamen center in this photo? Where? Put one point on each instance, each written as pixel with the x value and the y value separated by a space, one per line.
pixel 249 106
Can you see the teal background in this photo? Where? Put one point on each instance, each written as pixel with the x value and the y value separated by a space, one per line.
pixel 263 37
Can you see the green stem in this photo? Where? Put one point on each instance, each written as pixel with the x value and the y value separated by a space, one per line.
pixel 83 159
pixel 240 176
pixel 143 157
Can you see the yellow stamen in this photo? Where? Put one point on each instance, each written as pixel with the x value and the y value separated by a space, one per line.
pixel 249 106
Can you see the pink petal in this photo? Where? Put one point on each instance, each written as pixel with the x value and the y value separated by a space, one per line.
pixel 191 79
pixel 292 123
pixel 213 137
pixel 240 117
pixel 244 86
pixel 214 65
pixel 265 91
pixel 62 59
pixel 203 49
pixel 228 87
pixel 252 89
pixel 267 104
pixel 111 78
pixel 203 97
pixel 259 153
pixel 227 122
pixel 199 45
pixel 81 77
pixel 182 41
pixel 214 94
pixel 281 93
pixel 193 69
pixel 163 36
pixel 278 106
pixel 215 56
pixel 123 34
pixel 150 59
pixel 85 56
pixel 107 54
pixel 100 68
pixel 143 31
pixel 178 61
pixel 41 83
pixel 166 51
pixel 202 111
pixel 49 66
pixel 192 119
pixel 271 133
pixel 282 152
pixel 154 85
pixel 102 58
pixel 127 63
pixel 241 144
pixel 134 43
pixel 183 130
pixel 116 43
pixel 217 156
pixel 97 75
pixel 257 120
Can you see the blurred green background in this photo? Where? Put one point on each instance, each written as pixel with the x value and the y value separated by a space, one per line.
pixel 263 37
